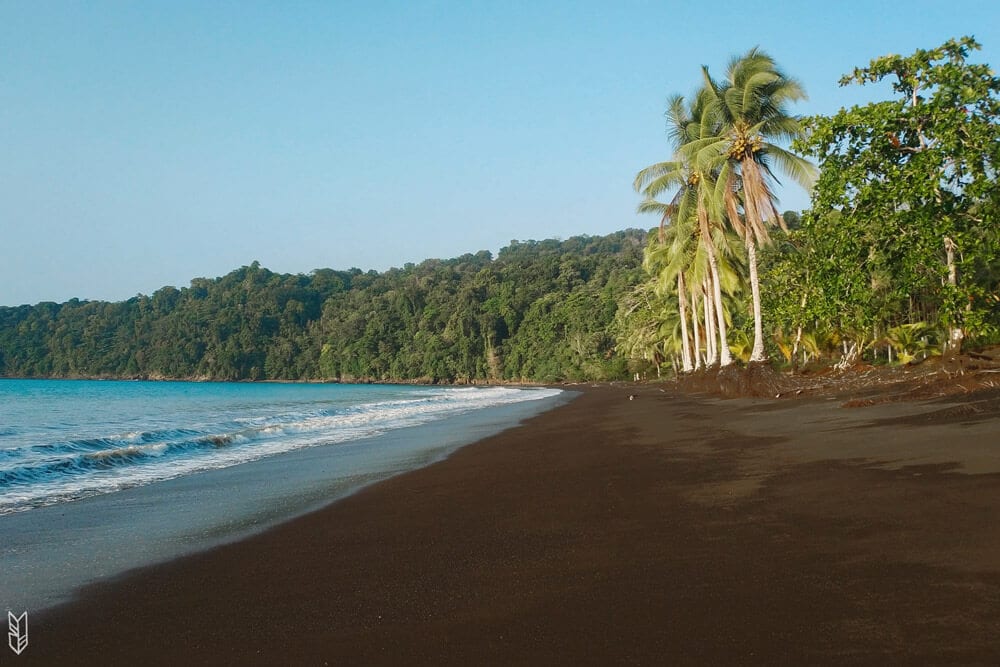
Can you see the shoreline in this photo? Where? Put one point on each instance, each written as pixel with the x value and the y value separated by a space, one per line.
pixel 670 527
pixel 154 522
pixel 413 382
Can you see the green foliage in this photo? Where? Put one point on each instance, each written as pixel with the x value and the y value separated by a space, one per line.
pixel 902 227
pixel 741 345
pixel 719 181
pixel 792 220
pixel 909 340
pixel 647 329
pixel 540 311
pixel 902 230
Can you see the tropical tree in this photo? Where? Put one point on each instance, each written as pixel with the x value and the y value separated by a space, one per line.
pixel 903 219
pixel 909 340
pixel 647 327
pixel 668 257
pixel 695 200
pixel 749 118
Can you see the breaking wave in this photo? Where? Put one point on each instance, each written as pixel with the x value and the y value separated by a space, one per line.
pixel 35 475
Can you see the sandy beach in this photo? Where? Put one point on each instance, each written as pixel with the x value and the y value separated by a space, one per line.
pixel 667 529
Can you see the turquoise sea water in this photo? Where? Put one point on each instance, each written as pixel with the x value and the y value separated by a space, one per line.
pixel 97 477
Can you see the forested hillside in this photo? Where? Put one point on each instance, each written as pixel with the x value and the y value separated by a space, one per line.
pixel 539 311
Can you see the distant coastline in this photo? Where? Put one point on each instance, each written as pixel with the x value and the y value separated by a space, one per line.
pixel 358 381
pixel 541 311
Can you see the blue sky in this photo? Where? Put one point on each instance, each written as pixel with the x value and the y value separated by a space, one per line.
pixel 148 143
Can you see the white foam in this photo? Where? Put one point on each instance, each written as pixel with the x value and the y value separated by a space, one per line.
pixel 256 438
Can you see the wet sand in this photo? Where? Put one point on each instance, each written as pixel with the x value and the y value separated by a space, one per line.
pixel 669 529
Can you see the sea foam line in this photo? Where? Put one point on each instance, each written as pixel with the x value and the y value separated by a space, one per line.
pixel 51 473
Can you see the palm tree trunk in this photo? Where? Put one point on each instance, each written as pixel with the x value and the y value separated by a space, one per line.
pixel 712 353
pixel 697 337
pixel 758 329
pixel 686 365
pixel 725 358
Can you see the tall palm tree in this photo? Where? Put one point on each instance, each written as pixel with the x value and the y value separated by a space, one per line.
pixel 678 256
pixel 749 115
pixel 695 196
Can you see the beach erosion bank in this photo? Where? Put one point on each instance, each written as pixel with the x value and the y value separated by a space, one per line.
pixel 664 529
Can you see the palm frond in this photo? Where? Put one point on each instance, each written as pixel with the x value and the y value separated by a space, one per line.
pixel 755 92
pixel 801 170
pixel 656 171
pixel 656 207
pixel 678 119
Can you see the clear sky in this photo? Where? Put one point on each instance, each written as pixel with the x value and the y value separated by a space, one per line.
pixel 143 144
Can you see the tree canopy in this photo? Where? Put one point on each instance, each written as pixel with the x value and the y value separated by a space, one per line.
pixel 903 223
pixel 726 149
pixel 540 311
pixel 900 249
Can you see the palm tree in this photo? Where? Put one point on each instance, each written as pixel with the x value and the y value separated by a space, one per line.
pixel 696 196
pixel 668 257
pixel 749 117
pixel 648 326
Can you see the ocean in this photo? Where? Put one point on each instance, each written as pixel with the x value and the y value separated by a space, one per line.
pixel 99 477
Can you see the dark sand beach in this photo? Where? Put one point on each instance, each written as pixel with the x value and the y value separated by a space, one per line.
pixel 668 529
